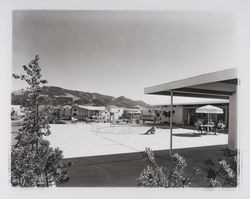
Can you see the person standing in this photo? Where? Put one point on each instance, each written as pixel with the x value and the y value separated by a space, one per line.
pixel 111 119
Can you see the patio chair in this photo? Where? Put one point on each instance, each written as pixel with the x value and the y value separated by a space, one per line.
pixel 219 128
pixel 214 130
pixel 198 128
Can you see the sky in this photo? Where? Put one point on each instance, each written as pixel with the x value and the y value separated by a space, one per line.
pixel 119 53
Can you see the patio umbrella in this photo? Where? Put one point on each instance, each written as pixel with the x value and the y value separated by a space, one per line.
pixel 209 110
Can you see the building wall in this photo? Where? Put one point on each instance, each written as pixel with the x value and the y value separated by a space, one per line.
pixel 74 111
pixel 82 113
pixel 66 112
pixel 79 113
pixel 148 115
pixel 178 115
pixel 232 126
pixel 117 112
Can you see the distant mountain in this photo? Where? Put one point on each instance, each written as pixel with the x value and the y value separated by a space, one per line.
pixel 61 96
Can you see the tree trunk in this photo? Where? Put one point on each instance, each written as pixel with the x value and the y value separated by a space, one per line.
pixel 47 181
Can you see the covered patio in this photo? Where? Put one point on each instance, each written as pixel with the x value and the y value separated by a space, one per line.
pixel 216 85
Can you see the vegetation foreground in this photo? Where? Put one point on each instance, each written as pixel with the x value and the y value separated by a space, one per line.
pixel 123 170
pixel 35 163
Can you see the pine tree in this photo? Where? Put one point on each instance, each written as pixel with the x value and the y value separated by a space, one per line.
pixel 33 161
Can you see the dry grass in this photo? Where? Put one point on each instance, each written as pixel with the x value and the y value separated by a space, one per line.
pixel 122 170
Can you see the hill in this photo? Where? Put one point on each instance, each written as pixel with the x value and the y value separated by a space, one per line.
pixel 61 96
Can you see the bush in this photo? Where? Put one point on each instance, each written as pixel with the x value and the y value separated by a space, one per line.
pixel 158 176
pixel 224 173
pixel 33 161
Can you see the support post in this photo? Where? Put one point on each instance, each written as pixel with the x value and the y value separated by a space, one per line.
pixel 171 124
pixel 232 125
pixel 226 116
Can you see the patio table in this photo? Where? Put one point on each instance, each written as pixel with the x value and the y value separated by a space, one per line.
pixel 208 126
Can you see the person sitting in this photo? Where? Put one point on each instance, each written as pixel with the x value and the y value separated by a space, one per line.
pixel 151 130
pixel 220 126
pixel 199 124
pixel 211 124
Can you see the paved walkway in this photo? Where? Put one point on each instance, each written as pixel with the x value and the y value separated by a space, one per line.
pixel 81 140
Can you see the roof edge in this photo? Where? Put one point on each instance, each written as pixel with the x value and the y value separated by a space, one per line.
pixel 195 80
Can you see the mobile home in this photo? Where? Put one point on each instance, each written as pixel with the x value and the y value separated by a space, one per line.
pixel 86 112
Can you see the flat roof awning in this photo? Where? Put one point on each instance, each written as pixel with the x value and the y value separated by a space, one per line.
pixel 93 108
pixel 219 85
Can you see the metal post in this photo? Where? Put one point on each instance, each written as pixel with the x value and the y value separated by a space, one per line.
pixel 226 114
pixel 171 124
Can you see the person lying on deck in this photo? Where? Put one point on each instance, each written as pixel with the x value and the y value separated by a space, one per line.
pixel 151 130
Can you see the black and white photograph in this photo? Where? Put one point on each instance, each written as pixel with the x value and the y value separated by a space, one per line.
pixel 125 99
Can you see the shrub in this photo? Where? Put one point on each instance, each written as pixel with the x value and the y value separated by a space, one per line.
pixel 158 176
pixel 223 174
pixel 33 161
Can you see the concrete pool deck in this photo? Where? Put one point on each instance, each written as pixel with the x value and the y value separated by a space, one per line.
pixel 82 140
